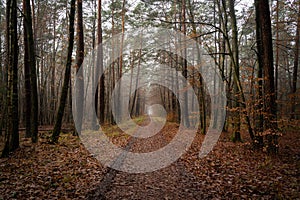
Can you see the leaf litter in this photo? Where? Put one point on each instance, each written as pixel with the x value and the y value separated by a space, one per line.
pixel 232 170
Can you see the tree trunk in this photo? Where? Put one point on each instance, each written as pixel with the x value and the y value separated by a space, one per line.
pixel 2 74
pixel 268 70
pixel 118 101
pixel 136 93
pixel 100 59
pixel 64 93
pixel 184 68
pixel 238 82
pixel 27 79
pixel 12 126
pixel 53 70
pixel 201 89
pixel 79 60
pixel 296 63
pixel 222 58
pixel 235 65
pixel 259 119
pixel 277 47
pixel 95 70
pixel 28 37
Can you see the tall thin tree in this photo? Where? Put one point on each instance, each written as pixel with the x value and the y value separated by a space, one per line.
pixel 184 67
pixel 270 118
pixel 12 125
pixel 2 75
pixel 236 71
pixel 259 118
pixel 30 62
pixel 64 93
pixel 296 63
pixel 100 64
pixel 79 60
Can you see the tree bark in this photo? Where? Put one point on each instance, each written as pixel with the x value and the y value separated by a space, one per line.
pixel 12 126
pixel 237 80
pixel 270 117
pixel 79 60
pixel 100 64
pixel 64 93
pixel 53 71
pixel 296 63
pixel 27 76
pixel 2 74
pixel 30 47
pixel 258 142
pixel 235 65
pixel 201 89
pixel 184 68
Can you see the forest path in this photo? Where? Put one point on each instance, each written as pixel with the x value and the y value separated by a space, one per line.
pixel 67 170
pixel 230 171
pixel 172 182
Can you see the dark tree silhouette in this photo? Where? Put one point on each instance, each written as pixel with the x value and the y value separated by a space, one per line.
pixel 79 60
pixel 64 93
pixel 270 123
pixel 12 125
pixel 31 84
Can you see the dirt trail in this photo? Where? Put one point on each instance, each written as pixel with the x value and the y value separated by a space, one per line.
pixel 172 182
pixel 67 170
pixel 230 171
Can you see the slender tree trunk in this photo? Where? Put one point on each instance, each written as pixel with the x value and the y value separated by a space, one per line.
pixel 277 48
pixel 64 92
pixel 222 58
pixel 12 126
pixel 259 119
pixel 3 81
pixel 79 61
pixel 120 64
pixel 296 63
pixel 70 102
pixel 215 111
pixel 95 71
pixel 184 69
pixel 1 32
pixel 15 97
pixel 235 65
pixel 270 117
pixel 112 69
pixel 132 59
pixel 136 93
pixel 100 57
pixel 238 83
pixel 201 84
pixel 53 70
pixel 27 78
pixel 33 77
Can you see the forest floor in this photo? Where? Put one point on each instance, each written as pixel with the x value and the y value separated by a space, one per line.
pixel 231 171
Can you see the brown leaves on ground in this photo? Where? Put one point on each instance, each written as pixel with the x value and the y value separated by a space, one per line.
pixel 46 171
pixel 235 170
pixel 232 170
